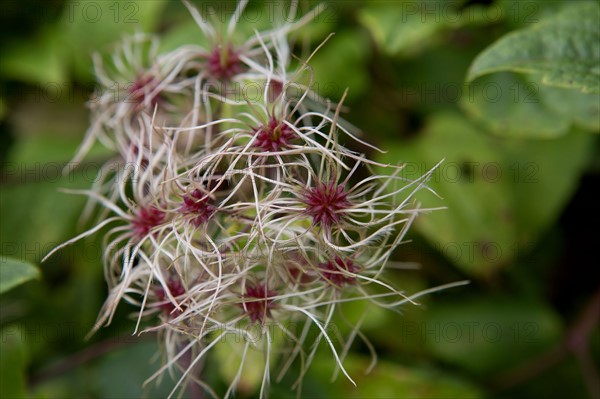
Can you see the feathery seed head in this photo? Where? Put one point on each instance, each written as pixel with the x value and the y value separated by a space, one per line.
pixel 326 203
pixel 339 272
pixel 142 91
pixel 145 219
pixel 198 206
pixel 217 275
pixel 176 288
pixel 224 63
pixel 276 135
pixel 257 302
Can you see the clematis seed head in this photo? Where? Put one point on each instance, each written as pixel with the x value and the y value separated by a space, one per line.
pixel 275 136
pixel 145 219
pixel 224 63
pixel 326 203
pixel 257 302
pixel 198 206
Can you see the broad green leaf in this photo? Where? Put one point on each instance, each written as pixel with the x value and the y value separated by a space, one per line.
pixel 491 334
pixel 37 166
pixel 544 175
pixel 564 49
pixel 50 154
pixel 581 109
pixel 51 215
pixel 85 26
pixel 229 355
pixel 406 27
pixel 389 380
pixel 518 105
pixel 500 195
pixel 513 105
pixel 12 362
pixel 14 272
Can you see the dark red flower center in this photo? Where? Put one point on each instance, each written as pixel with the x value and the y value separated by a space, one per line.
pixel 326 202
pixel 224 63
pixel 145 220
pixel 257 302
pixel 274 136
pixel 337 271
pixel 142 91
pixel 198 206
pixel 176 289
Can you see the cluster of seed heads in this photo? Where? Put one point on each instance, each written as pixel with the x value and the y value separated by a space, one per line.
pixel 227 212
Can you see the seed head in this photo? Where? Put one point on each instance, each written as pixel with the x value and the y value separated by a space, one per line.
pixel 337 271
pixel 142 90
pixel 224 63
pixel 198 206
pixel 176 289
pixel 257 302
pixel 326 202
pixel 274 136
pixel 145 220
pixel 250 162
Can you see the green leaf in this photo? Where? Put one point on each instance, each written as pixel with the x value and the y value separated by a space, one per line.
pixel 517 105
pixel 12 362
pixel 52 215
pixel 500 195
pixel 490 334
pixel 581 109
pixel 14 272
pixel 85 26
pixel 407 27
pixel 388 380
pixel 565 49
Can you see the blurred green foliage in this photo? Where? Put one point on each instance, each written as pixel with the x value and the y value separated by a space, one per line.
pixel 505 92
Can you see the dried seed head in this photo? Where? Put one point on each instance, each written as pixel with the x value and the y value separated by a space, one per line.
pixel 198 206
pixel 224 63
pixel 257 302
pixel 145 220
pixel 338 271
pixel 142 91
pixel 325 203
pixel 176 288
pixel 274 136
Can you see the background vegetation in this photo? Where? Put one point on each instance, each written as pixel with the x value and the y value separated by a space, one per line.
pixel 505 91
